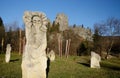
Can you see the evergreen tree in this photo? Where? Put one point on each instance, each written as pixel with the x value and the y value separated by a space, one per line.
pixel 2 34
pixel 97 41
pixel 96 36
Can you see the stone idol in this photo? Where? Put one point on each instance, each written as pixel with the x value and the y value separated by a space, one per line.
pixel 95 60
pixel 51 55
pixel 8 52
pixel 34 60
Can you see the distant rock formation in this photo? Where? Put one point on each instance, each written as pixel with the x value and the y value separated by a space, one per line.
pixel 62 19
pixel 80 30
pixel 85 33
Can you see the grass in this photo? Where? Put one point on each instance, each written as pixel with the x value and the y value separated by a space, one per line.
pixel 72 67
pixel 11 69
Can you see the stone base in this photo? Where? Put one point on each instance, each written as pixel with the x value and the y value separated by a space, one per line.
pixel 37 70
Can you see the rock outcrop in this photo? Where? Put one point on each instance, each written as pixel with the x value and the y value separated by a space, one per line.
pixel 62 19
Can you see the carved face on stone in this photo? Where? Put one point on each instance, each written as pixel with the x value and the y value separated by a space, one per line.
pixel 37 21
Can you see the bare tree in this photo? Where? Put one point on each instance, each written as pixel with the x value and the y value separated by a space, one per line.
pixel 109 28
pixel 20 41
pixel 12 35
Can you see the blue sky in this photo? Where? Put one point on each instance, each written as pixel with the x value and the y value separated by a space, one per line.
pixel 86 12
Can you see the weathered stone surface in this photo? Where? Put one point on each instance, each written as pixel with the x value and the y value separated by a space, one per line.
pixel 51 55
pixel 34 61
pixel 8 52
pixel 85 33
pixel 62 20
pixel 95 60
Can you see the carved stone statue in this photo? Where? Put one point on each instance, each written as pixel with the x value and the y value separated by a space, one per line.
pixel 34 61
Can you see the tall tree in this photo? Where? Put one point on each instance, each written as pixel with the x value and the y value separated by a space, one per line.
pixel 2 34
pixel 97 39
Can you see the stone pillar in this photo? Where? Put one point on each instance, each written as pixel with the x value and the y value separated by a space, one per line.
pixel 34 60
pixel 8 52
pixel 51 55
pixel 95 60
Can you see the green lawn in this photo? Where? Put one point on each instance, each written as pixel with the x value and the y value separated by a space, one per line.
pixel 72 67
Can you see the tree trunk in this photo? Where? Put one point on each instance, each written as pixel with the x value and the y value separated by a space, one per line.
pixel 66 51
pixel 20 42
pixel 109 49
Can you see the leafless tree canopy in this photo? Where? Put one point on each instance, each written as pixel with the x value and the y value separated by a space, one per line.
pixel 109 29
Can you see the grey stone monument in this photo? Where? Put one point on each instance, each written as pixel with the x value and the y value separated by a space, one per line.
pixel 8 52
pixel 95 60
pixel 34 60
pixel 51 55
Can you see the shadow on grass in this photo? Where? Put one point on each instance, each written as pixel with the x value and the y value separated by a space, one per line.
pixel 48 67
pixel 85 64
pixel 14 60
pixel 113 67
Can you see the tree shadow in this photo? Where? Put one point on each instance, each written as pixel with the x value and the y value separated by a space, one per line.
pixel 48 67
pixel 14 60
pixel 112 67
pixel 85 64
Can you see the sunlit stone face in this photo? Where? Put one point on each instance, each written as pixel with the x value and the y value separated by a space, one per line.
pixel 37 21
pixel 34 60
